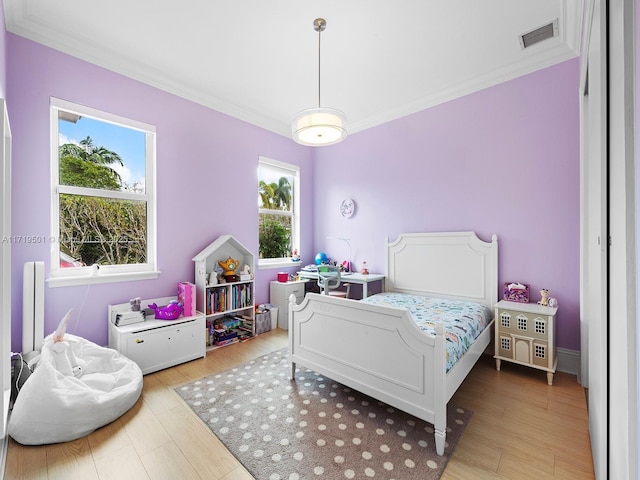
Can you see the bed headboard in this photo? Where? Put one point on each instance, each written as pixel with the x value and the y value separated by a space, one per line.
pixel 444 264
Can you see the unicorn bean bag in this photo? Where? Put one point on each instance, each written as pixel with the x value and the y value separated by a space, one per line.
pixel 76 387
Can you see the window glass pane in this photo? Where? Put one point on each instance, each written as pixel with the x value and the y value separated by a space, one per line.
pixel 99 154
pixel 99 230
pixel 275 188
pixel 278 207
pixel 275 236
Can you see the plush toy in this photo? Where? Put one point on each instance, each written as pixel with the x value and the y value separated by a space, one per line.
pixel 169 312
pixel 545 297
pixel 58 335
pixel 135 304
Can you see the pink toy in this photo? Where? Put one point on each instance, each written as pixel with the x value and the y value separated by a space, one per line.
pixel 187 297
pixel 169 312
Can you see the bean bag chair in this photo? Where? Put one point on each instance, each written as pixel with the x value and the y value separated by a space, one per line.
pixel 76 387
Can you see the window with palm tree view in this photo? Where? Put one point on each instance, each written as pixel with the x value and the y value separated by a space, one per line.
pixel 278 204
pixel 103 210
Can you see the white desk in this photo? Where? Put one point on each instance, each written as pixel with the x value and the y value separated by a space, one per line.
pixel 354 277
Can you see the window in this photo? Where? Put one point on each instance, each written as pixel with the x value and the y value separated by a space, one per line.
pixel 103 225
pixel 278 207
pixel 540 351
pixel 505 320
pixel 522 322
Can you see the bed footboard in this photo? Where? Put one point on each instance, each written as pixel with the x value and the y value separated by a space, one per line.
pixel 375 349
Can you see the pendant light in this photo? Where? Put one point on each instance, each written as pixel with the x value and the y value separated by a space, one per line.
pixel 319 126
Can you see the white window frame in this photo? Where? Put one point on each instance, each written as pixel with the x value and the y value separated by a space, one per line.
pixel 286 169
pixel 105 273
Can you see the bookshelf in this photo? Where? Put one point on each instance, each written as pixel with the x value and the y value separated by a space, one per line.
pixel 229 307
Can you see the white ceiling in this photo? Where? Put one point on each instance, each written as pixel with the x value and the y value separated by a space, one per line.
pixel 258 60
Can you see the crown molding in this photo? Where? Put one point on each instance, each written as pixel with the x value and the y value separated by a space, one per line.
pixel 22 22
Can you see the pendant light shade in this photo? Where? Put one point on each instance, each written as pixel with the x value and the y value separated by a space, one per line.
pixel 319 126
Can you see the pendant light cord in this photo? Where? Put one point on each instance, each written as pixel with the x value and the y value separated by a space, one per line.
pixel 319 34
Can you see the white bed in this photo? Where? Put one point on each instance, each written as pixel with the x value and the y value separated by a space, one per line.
pixel 380 350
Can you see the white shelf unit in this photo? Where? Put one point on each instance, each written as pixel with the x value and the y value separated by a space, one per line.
pixel 225 300
pixel 157 344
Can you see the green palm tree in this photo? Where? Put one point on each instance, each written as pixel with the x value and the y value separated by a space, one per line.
pixel 267 195
pixel 282 193
pixel 86 150
pixel 275 196
pixel 89 152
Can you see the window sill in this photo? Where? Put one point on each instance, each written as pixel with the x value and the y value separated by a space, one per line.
pixel 101 278
pixel 279 264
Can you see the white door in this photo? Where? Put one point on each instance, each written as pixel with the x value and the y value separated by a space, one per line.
pixel 594 235
pixel 5 268
pixel 622 376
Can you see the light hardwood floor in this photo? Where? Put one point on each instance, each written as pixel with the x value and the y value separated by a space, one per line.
pixel 521 429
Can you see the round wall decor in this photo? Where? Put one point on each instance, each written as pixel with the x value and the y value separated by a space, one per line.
pixel 347 208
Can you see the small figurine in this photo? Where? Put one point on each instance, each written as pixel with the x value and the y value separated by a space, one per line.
pixel 365 268
pixel 544 301
pixel 213 278
pixel 229 266
pixel 135 304
pixel 295 257
pixel 553 302
pixel 168 312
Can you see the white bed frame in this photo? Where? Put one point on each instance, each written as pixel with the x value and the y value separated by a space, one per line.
pixel 379 350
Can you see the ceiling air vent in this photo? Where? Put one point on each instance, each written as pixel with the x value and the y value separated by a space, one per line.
pixel 549 30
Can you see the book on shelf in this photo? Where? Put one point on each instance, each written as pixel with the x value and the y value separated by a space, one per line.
pixel 226 342
pixel 227 335
pixel 216 300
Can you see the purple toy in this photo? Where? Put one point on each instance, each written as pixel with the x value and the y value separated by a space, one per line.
pixel 169 312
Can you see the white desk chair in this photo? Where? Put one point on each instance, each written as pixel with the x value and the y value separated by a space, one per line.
pixel 329 279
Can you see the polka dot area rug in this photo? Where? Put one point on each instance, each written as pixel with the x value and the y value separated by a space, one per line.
pixel 314 427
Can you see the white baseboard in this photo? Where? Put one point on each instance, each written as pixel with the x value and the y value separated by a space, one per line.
pixel 568 361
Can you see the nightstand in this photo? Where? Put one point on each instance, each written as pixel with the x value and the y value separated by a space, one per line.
pixel 525 334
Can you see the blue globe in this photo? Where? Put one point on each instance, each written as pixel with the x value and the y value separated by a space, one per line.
pixel 321 258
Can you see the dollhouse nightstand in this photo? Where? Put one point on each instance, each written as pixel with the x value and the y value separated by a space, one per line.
pixel 525 334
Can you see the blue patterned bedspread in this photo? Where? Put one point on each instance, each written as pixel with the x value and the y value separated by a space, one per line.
pixel 463 321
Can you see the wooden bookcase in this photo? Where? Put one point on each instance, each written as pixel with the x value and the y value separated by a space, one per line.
pixel 229 304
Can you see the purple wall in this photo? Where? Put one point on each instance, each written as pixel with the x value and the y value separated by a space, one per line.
pixel 198 150
pixel 504 160
pixel 3 55
pixel 501 161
